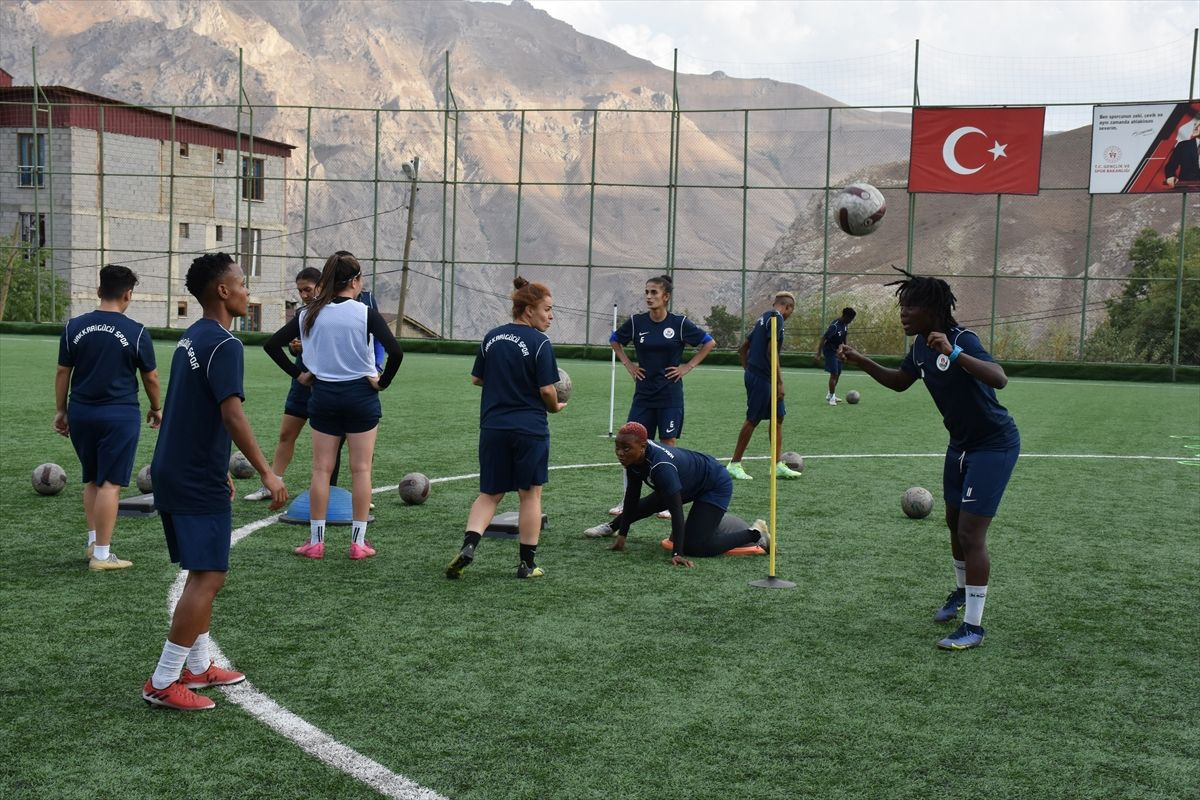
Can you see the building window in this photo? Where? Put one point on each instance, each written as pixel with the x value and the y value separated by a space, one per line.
pixel 184 150
pixel 253 317
pixel 181 309
pixel 251 251
pixel 31 153
pixel 220 233
pixel 185 230
pixel 252 178
pixel 220 155
pixel 33 233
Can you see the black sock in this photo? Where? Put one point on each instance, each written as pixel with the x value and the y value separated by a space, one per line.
pixel 528 552
pixel 472 538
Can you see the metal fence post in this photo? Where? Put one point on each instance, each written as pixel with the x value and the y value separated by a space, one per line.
pixel 520 187
pixel 587 320
pixel 1087 269
pixel 995 277
pixel 745 207
pixel 171 215
pixel 825 216
pixel 375 220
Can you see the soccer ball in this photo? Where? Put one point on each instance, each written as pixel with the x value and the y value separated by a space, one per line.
pixel 563 387
pixel 793 460
pixel 239 466
pixel 414 489
pixel 852 397
pixel 917 503
pixel 49 479
pixel 859 209
pixel 144 483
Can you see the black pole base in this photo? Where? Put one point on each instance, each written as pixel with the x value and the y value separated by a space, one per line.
pixel 773 583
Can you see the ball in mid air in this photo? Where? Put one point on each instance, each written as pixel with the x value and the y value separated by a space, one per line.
pixel 859 209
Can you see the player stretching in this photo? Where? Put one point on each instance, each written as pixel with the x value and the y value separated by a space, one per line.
pixel 192 487
pixel 833 338
pixel 755 354
pixel 99 356
pixel 984 443
pixel 516 368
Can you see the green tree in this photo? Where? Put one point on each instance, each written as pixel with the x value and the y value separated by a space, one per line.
pixel 726 328
pixel 22 304
pixel 1141 319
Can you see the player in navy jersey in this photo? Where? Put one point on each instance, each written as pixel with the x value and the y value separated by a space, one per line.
pixel 515 366
pixel 755 354
pixel 338 334
pixel 680 476
pixel 192 488
pixel 833 338
pixel 658 339
pixel 962 378
pixel 99 357
pixel 295 407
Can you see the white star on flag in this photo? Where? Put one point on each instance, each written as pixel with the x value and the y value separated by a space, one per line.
pixel 998 151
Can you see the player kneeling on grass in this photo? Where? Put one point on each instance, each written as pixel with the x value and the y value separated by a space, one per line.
pixel 984 443
pixel 516 368
pixel 677 476
pixel 192 488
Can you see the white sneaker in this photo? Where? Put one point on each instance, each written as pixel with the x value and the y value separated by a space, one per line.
pixel 833 400
pixel 615 511
pixel 262 493
pixel 663 515
pixel 764 538
pixel 601 530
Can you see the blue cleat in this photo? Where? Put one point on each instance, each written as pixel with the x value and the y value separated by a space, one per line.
pixel 954 604
pixel 964 637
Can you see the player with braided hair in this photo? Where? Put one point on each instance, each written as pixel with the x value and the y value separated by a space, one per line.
pixel 680 476
pixel 962 378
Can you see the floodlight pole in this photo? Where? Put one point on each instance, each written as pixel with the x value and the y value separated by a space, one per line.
pixel 408 236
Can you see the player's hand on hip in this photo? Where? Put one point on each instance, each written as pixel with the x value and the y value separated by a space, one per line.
pixel 676 373
pixel 61 426
pixel 637 372
pixel 374 381
pixel 306 379
pixel 279 494
pixel 232 491
pixel 938 341
pixel 680 561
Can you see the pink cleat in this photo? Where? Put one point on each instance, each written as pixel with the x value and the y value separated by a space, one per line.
pixel 360 551
pixel 311 550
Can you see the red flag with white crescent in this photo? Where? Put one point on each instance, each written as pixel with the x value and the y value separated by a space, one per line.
pixel 976 150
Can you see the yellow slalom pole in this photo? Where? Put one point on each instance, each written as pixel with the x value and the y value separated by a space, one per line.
pixel 774 438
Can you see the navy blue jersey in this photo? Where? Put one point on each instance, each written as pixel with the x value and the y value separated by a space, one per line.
pixel 514 362
pixel 659 345
pixel 670 469
pixel 835 336
pixel 105 350
pixel 191 459
pixel 974 417
pixel 758 358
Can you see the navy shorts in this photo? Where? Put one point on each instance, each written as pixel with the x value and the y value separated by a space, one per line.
pixel 832 365
pixel 105 439
pixel 667 421
pixel 721 494
pixel 758 398
pixel 296 404
pixel 974 481
pixel 511 460
pixel 199 542
pixel 340 407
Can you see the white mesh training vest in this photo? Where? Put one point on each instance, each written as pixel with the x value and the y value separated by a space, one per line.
pixel 339 347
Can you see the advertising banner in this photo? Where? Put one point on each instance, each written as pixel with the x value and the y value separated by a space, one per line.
pixel 1145 148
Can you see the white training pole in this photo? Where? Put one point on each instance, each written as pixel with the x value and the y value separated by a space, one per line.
pixel 612 384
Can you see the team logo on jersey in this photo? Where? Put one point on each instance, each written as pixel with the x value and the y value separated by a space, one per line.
pixel 943 362
pixel 669 333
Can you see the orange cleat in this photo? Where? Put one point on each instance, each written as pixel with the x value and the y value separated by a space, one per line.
pixel 176 696
pixel 213 676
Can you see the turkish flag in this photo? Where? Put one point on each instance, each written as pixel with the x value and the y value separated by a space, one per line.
pixel 976 150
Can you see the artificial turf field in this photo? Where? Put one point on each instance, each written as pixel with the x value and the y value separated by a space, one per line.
pixel 618 676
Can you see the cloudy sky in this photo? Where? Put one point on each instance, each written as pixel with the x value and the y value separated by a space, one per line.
pixel 862 51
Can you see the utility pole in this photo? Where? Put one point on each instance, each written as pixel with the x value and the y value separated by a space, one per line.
pixel 410 172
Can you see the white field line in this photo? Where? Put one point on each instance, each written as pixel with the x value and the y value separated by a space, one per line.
pixel 326 749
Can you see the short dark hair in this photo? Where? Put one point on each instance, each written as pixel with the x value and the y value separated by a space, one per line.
pixel 310 274
pixel 205 271
pixel 849 313
pixel 115 281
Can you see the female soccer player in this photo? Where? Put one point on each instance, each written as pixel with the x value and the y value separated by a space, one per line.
pixel 99 357
pixel 658 338
pixel 516 368
pixel 679 476
pixel 295 407
pixel 337 334
pixel 984 442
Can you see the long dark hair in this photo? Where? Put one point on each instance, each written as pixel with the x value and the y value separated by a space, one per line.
pixel 924 292
pixel 337 273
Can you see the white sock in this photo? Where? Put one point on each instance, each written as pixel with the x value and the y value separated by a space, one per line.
pixel 101 552
pixel 960 573
pixel 170 664
pixel 316 531
pixel 91 537
pixel 197 659
pixel 358 531
pixel 976 595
